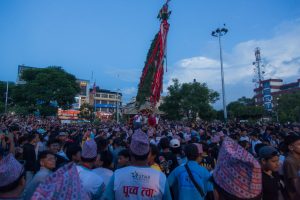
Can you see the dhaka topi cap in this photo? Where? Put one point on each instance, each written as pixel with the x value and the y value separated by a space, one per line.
pixel 64 184
pixel 10 170
pixel 139 143
pixel 89 149
pixel 237 172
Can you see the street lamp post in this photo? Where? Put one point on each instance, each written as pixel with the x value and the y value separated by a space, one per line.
pixel 6 97
pixel 118 92
pixel 277 108
pixel 219 32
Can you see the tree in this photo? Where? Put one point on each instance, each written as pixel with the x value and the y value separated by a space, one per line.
pixel 86 112
pixel 244 108
pixel 289 107
pixel 189 100
pixel 171 105
pixel 45 89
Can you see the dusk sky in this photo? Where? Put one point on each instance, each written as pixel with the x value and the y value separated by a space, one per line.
pixel 111 38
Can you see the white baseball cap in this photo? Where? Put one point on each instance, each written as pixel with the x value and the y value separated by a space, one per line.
pixel 175 143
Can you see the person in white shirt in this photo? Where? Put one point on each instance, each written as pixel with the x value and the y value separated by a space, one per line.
pixel 92 183
pixel 254 142
pixel 138 181
pixel 104 165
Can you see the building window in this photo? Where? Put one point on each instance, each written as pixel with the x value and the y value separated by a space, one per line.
pixel 104 95
pixel 266 84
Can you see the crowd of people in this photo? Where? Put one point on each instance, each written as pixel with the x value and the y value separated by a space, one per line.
pixel 41 158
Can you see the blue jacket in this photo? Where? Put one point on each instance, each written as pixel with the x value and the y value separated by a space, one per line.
pixel 183 187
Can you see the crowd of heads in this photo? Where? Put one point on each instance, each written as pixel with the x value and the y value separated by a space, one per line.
pixel 234 153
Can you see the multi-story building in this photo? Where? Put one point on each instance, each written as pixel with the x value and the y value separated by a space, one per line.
pixel 270 91
pixel 105 100
pixel 84 94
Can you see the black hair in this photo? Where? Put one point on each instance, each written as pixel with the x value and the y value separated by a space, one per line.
pixel 43 154
pixel 139 157
pixel 243 143
pixel 205 147
pixel 107 158
pixel 283 147
pixel 154 149
pixel 164 143
pixel 88 160
pixel 101 144
pixel 53 141
pixel 12 185
pixel 14 128
pixel 31 137
pixel 125 153
pixel 72 149
pixel 117 141
pixel 191 151
pixel 22 139
pixel 176 150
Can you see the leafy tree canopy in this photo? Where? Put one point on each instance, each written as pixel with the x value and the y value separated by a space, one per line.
pixel 289 107
pixel 46 88
pixel 244 108
pixel 189 100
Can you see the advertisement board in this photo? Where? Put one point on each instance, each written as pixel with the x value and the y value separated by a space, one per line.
pixel 68 114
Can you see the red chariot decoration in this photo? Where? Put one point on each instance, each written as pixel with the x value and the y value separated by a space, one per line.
pixel 151 81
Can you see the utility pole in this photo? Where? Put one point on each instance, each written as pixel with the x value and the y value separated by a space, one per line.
pixel 117 106
pixel 6 97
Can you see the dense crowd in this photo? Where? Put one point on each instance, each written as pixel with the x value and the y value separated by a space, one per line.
pixel 149 158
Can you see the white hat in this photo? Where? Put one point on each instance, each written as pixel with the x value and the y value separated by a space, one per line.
pixel 174 143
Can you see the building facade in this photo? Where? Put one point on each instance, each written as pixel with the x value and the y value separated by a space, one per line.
pixel 270 90
pixel 105 100
pixel 84 94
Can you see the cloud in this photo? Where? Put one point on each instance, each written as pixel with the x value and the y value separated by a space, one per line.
pixel 280 58
pixel 129 91
pixel 128 75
